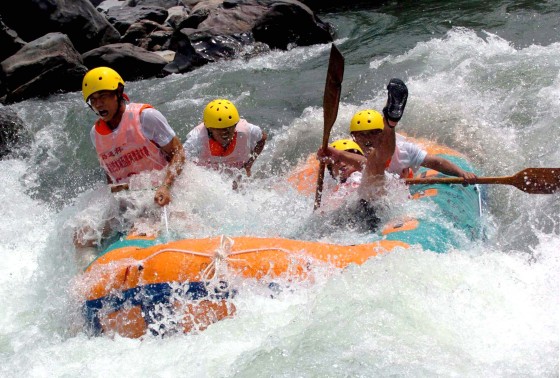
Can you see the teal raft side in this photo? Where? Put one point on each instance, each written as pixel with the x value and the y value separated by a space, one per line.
pixel 457 217
pixel 121 241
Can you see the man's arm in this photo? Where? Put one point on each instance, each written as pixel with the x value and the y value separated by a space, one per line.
pixel 445 166
pixel 256 152
pixel 174 151
pixel 331 155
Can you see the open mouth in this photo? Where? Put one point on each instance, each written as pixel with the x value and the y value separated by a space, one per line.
pixel 103 113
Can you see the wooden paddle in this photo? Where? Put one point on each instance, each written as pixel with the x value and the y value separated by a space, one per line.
pixel 331 99
pixel 529 180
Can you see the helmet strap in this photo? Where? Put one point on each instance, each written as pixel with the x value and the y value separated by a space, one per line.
pixel 91 107
pixel 121 96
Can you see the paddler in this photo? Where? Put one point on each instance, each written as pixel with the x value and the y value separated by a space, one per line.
pixel 376 153
pixel 367 128
pixel 357 178
pixel 224 141
pixel 129 138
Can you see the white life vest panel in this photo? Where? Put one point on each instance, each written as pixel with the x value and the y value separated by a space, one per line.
pixel 126 151
pixel 235 159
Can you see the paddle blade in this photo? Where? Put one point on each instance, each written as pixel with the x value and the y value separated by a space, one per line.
pixel 331 97
pixel 537 180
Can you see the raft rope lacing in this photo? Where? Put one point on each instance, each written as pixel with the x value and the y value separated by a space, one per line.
pixel 218 265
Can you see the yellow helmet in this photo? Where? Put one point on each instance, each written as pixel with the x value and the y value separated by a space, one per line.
pixel 347 145
pixel 100 79
pixel 367 120
pixel 220 114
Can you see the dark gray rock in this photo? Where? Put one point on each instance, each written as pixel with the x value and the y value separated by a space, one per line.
pixel 78 19
pixel 186 57
pixel 132 62
pixel 215 18
pixel 194 19
pixel 158 40
pixel 148 34
pixel 221 47
pixel 13 133
pixel 165 4
pixel 105 5
pixel 123 18
pixel 176 16
pixel 44 66
pixel 9 40
pixel 289 23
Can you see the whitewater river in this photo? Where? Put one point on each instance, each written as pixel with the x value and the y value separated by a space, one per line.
pixel 484 78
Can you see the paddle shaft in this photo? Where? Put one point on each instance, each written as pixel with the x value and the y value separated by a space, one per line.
pixel 331 100
pixel 529 180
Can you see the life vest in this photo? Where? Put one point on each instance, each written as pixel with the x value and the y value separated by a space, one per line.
pixel 126 151
pixel 235 155
pixel 405 173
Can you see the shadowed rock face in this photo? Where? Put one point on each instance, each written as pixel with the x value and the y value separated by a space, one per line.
pixel 78 19
pixel 43 66
pixel 13 134
pixel 134 36
pixel 285 25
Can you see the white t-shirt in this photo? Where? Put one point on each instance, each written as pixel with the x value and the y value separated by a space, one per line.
pixel 407 155
pixel 154 126
pixel 194 142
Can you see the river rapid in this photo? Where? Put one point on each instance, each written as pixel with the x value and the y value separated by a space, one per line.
pixel 483 78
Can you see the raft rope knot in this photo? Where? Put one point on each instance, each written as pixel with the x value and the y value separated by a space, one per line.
pixel 218 265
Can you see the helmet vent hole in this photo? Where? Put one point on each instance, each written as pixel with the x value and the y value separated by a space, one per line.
pixel 219 119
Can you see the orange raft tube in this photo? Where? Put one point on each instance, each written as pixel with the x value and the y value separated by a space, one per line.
pixel 128 289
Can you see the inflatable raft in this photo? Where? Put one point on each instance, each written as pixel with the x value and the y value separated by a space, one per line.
pixel 141 285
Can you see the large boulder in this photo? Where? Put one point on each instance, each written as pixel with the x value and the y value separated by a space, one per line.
pixel 220 29
pixel 148 34
pixel 78 19
pixel 123 18
pixel 280 22
pixel 44 66
pixel 132 62
pixel 224 17
pixel 290 23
